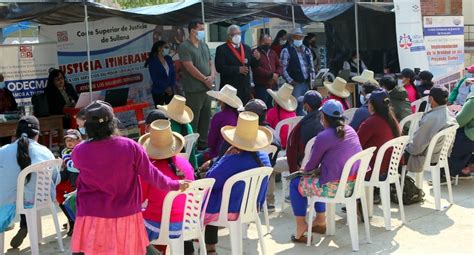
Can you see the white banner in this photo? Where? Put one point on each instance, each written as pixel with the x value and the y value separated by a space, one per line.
pixel 411 46
pixel 444 40
pixel 25 68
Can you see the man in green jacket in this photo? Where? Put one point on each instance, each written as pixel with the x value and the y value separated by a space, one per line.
pixel 463 147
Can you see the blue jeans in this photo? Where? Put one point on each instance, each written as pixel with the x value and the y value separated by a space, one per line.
pixel 298 90
pixel 262 94
pixel 299 203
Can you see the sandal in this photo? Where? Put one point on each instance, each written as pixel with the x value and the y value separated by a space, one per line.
pixel 320 229
pixel 302 239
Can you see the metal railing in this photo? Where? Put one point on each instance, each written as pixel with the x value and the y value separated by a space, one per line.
pixel 469 35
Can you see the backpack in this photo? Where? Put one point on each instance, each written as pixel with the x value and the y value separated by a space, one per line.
pixel 411 194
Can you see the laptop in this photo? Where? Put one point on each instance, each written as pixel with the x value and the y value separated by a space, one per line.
pixel 116 97
pixel 85 99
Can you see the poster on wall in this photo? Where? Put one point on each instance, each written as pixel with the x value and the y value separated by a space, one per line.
pixel 119 49
pixel 409 27
pixel 444 40
pixel 25 68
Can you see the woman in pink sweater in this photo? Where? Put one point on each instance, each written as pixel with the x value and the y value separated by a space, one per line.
pixel 284 106
pixel 406 79
pixel 162 146
pixel 109 218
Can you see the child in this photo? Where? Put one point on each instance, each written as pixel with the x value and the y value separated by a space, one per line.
pixel 284 106
pixel 163 146
pixel 69 174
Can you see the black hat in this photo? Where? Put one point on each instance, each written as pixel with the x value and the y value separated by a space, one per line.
pixel 439 94
pixel 256 106
pixel 425 76
pixel 99 112
pixel 408 73
pixel 29 122
pixel 155 115
pixel 312 98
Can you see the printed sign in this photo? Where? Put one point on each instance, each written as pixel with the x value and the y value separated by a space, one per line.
pixel 411 46
pixel 25 68
pixel 444 40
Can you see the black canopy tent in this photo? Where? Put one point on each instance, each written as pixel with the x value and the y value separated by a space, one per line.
pixel 376 36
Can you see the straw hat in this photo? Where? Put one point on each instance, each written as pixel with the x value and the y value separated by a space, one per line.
pixel 161 143
pixel 338 87
pixel 247 135
pixel 177 110
pixel 228 95
pixel 284 98
pixel 366 76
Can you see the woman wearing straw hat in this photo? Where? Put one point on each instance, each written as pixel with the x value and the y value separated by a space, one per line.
pixel 180 117
pixel 284 106
pixel 229 102
pixel 109 216
pixel 337 90
pixel 247 139
pixel 162 146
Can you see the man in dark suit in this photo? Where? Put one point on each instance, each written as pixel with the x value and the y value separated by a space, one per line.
pixel 233 61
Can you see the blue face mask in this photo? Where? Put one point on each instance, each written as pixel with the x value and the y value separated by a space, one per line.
pixel 82 130
pixel 298 43
pixel 201 35
pixel 2 85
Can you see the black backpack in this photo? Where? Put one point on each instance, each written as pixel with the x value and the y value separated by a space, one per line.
pixel 411 193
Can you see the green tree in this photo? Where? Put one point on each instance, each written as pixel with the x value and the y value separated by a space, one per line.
pixel 126 4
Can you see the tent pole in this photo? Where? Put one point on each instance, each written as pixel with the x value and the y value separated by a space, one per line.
pixel 86 20
pixel 293 15
pixel 202 12
pixel 357 32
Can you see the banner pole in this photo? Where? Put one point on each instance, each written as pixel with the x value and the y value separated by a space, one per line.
pixel 86 20
pixel 356 13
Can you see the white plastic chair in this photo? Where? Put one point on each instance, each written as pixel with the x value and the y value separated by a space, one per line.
pixel 448 135
pixel 414 120
pixel 364 158
pixel 291 123
pixel 197 196
pixel 349 114
pixel 271 151
pixel 42 200
pixel 307 151
pixel 190 141
pixel 417 103
pixel 252 179
pixel 398 146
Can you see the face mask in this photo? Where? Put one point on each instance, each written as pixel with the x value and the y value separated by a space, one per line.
pixel 282 42
pixel 236 39
pixel 470 75
pixel 417 83
pixel 201 35
pixel 265 47
pixel 298 43
pixel 82 130
pixel 166 51
pixel 400 82
pixel 2 85
pixel 218 109
pixel 362 99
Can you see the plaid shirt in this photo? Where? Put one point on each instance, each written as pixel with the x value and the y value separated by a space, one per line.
pixel 306 68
